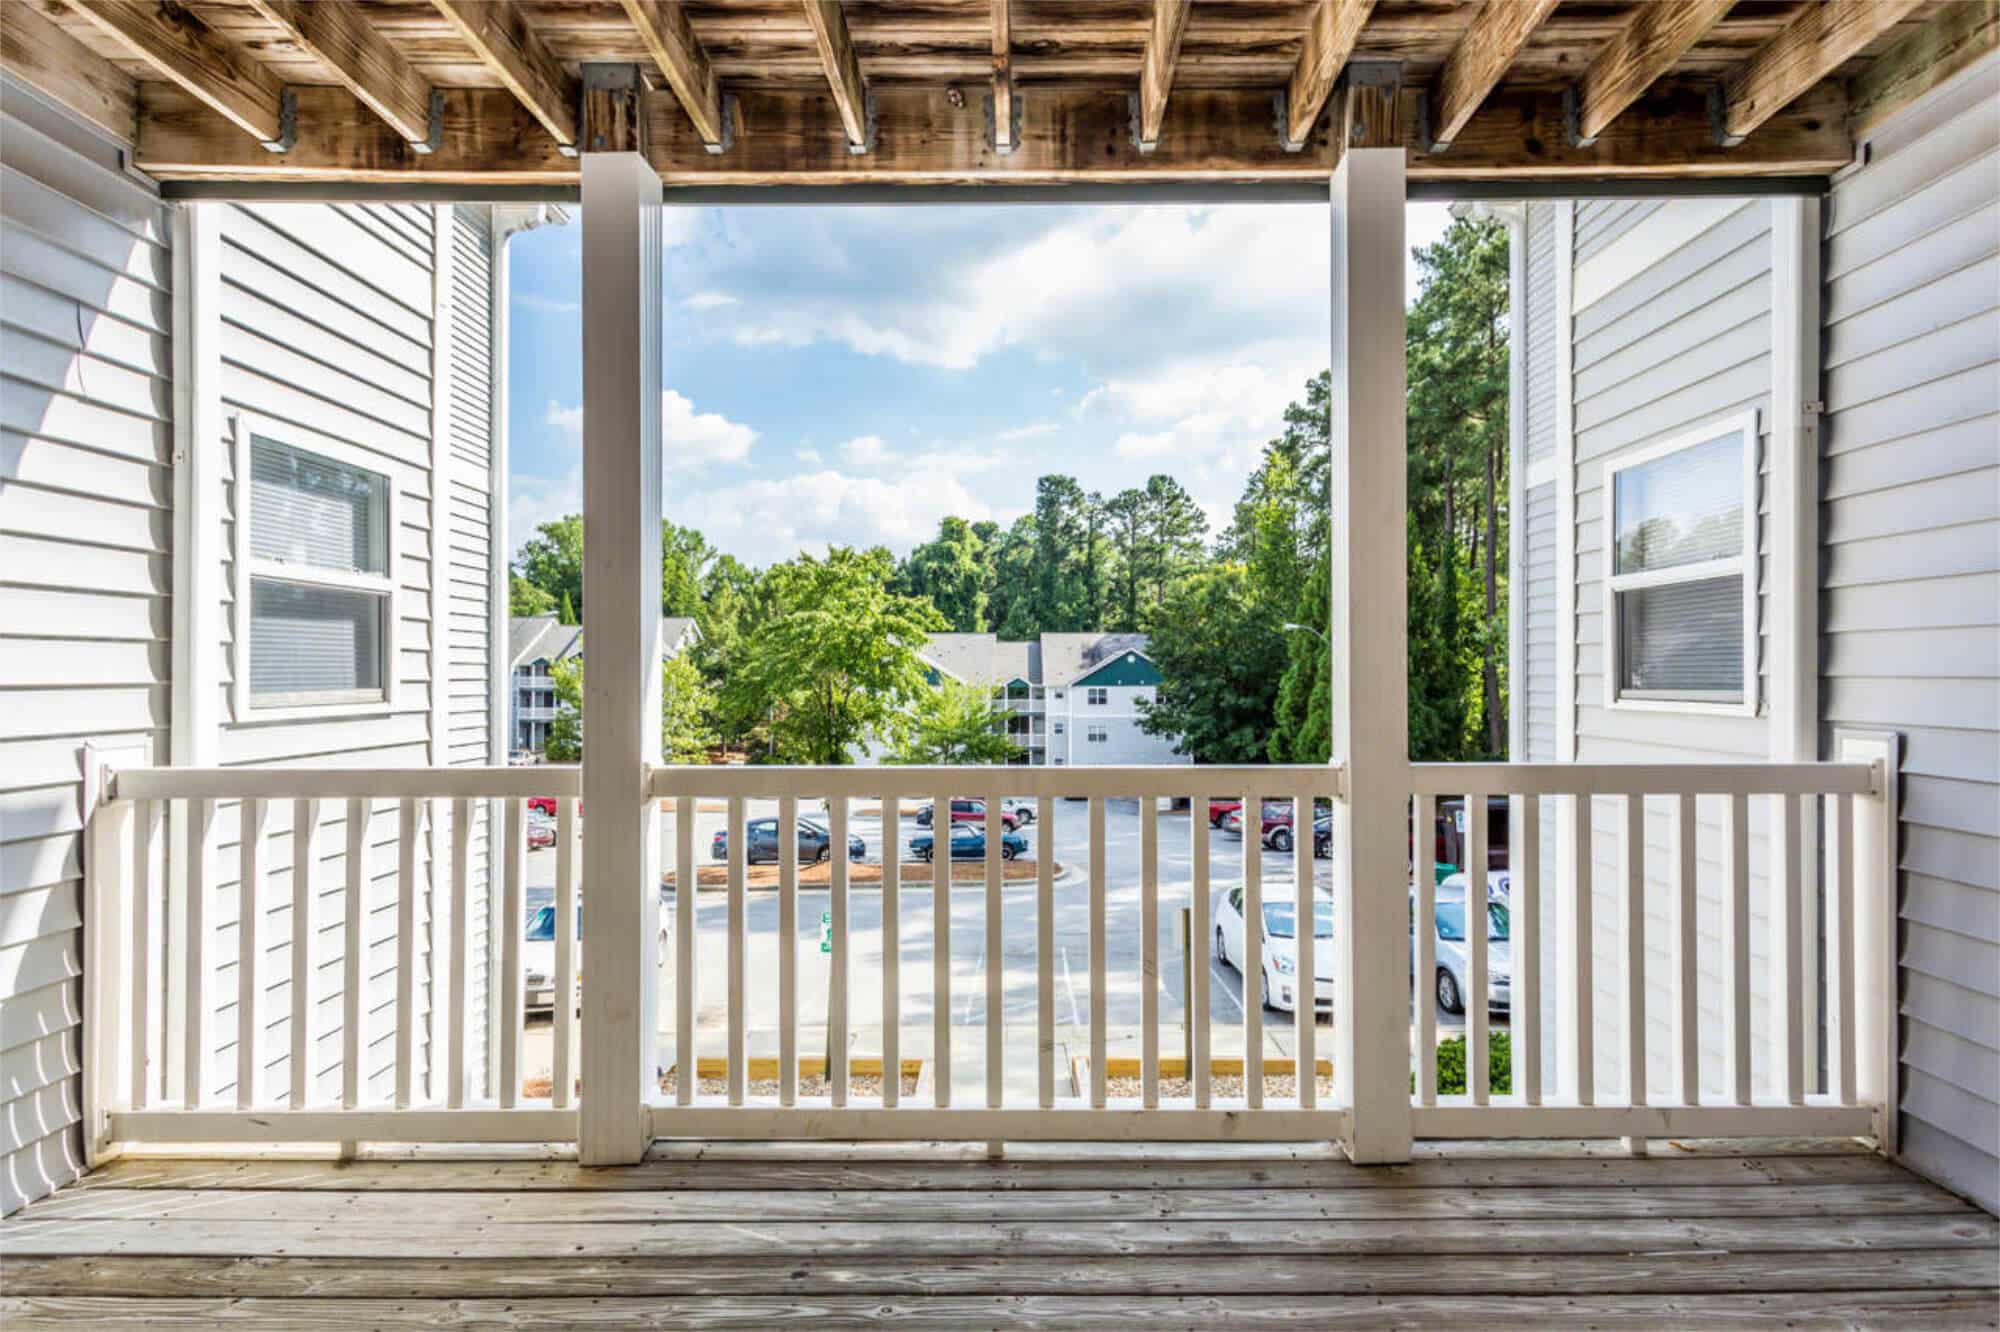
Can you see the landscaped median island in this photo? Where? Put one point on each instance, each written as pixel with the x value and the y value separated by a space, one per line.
pixel 859 874
pixel 864 1076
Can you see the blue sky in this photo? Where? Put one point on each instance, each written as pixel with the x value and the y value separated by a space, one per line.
pixel 850 375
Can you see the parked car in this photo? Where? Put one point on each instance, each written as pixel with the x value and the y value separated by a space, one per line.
pixel 538 957
pixel 1498 884
pixel 541 833
pixel 547 805
pixel 1454 959
pixel 1451 832
pixel 1276 831
pixel 760 843
pixel 1021 807
pixel 1323 836
pixel 971 811
pixel 1279 947
pixel 968 842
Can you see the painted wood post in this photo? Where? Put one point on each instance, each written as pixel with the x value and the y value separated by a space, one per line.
pixel 1371 730
pixel 621 599
pixel 1877 921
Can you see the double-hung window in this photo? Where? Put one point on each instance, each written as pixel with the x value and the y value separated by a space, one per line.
pixel 315 588
pixel 1097 697
pixel 1680 591
pixel 1096 735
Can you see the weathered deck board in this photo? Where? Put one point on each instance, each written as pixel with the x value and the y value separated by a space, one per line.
pixel 1087 1240
pixel 1943 1311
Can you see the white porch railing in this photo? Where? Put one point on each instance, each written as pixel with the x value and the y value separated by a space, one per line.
pixel 410 1068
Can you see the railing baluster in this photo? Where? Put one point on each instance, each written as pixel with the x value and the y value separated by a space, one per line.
pixel 562 1062
pixel 1305 938
pixel 249 953
pixel 1423 878
pixel 1632 892
pixel 461 952
pixel 1583 962
pixel 1199 960
pixel 685 923
pixel 1045 949
pixel 1687 969
pixel 788 949
pixel 892 952
pixel 1841 925
pixel 836 1001
pixel 941 950
pixel 1788 952
pixel 305 947
pixel 1253 951
pixel 353 959
pixel 1099 1000
pixel 512 924
pixel 1525 1011
pixel 406 952
pixel 146 921
pixel 1737 835
pixel 995 949
pixel 1149 952
pixel 739 856
pixel 1478 1051
pixel 197 1017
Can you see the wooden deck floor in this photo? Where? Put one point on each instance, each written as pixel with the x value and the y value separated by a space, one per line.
pixel 1095 1239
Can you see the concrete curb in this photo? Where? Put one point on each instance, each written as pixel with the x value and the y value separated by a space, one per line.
pixel 1065 876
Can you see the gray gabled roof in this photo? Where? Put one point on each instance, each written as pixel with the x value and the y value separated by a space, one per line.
pixel 534 637
pixel 1054 659
pixel 1067 657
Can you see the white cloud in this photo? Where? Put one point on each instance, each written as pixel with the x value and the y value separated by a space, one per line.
pixel 867 451
pixel 809 456
pixel 688 438
pixel 1035 431
pixel 546 304
pixel 534 500
pixel 709 300
pixel 771 518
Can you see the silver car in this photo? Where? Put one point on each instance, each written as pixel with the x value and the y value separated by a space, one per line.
pixel 1453 958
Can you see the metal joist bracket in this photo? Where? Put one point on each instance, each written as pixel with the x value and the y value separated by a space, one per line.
pixel 867 143
pixel 1014 125
pixel 1281 120
pixel 1718 119
pixel 728 140
pixel 1132 109
pixel 434 139
pixel 1573 120
pixel 288 123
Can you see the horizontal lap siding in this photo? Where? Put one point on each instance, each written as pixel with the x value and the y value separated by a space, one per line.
pixel 327 339
pixel 1910 521
pixel 86 497
pixel 1541 332
pixel 1682 340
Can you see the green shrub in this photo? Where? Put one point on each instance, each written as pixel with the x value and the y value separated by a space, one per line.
pixel 1451 1065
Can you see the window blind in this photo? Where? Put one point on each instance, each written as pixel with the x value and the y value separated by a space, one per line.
pixel 1682 638
pixel 310 510
pixel 1685 508
pixel 314 640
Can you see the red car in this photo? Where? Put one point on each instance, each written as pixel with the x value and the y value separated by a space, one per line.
pixel 969 811
pixel 547 805
pixel 1221 807
pixel 1276 832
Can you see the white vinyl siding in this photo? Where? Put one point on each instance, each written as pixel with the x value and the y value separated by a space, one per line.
pixel 86 494
pixel 1910 566
pixel 1539 624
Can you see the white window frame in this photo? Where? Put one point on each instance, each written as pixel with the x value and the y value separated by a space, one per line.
pixel 1097 696
pixel 1096 733
pixel 1743 564
pixel 245 567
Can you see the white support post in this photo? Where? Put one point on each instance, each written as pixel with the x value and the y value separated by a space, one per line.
pixel 621 599
pixel 1370 630
pixel 1877 922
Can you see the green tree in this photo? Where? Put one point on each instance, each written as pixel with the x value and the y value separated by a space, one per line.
pixel 1010 596
pixel 565 738
pixel 567 611
pixel 1302 727
pixel 953 723
pixel 687 711
pixel 1059 598
pixel 1220 655
pixel 552 560
pixel 952 572
pixel 1439 661
pixel 684 555
pixel 835 657
pixel 524 598
pixel 1175 534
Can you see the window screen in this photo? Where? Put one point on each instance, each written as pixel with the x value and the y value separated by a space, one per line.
pixel 313 640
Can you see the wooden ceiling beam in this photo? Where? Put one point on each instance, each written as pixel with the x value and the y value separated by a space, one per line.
pixel 843 70
pixel 182 49
pixel 1478 63
pixel 668 35
pixel 1823 37
pixel 502 39
pixel 794 137
pixel 338 35
pixel 1156 68
pixel 35 49
pixel 1003 77
pixel 1652 41
pixel 1336 26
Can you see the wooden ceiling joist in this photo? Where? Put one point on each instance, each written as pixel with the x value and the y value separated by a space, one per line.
pixel 1651 42
pixel 179 47
pixel 35 50
pixel 504 42
pixel 843 70
pixel 1156 68
pixel 1821 39
pixel 1003 77
pixel 1478 63
pixel 1336 27
pixel 670 38
pixel 337 34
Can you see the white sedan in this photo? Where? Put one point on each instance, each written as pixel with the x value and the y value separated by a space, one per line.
pixel 1454 957
pixel 538 958
pixel 1279 947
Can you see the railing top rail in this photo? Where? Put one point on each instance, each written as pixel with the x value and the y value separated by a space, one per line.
pixel 1643 779
pixel 926 781
pixel 318 783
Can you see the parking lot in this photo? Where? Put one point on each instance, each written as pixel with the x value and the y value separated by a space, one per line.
pixel 1070 963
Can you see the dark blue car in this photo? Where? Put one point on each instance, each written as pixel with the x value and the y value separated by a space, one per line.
pixel 968 842
pixel 760 845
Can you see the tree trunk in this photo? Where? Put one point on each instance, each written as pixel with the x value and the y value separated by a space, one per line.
pixel 1496 735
